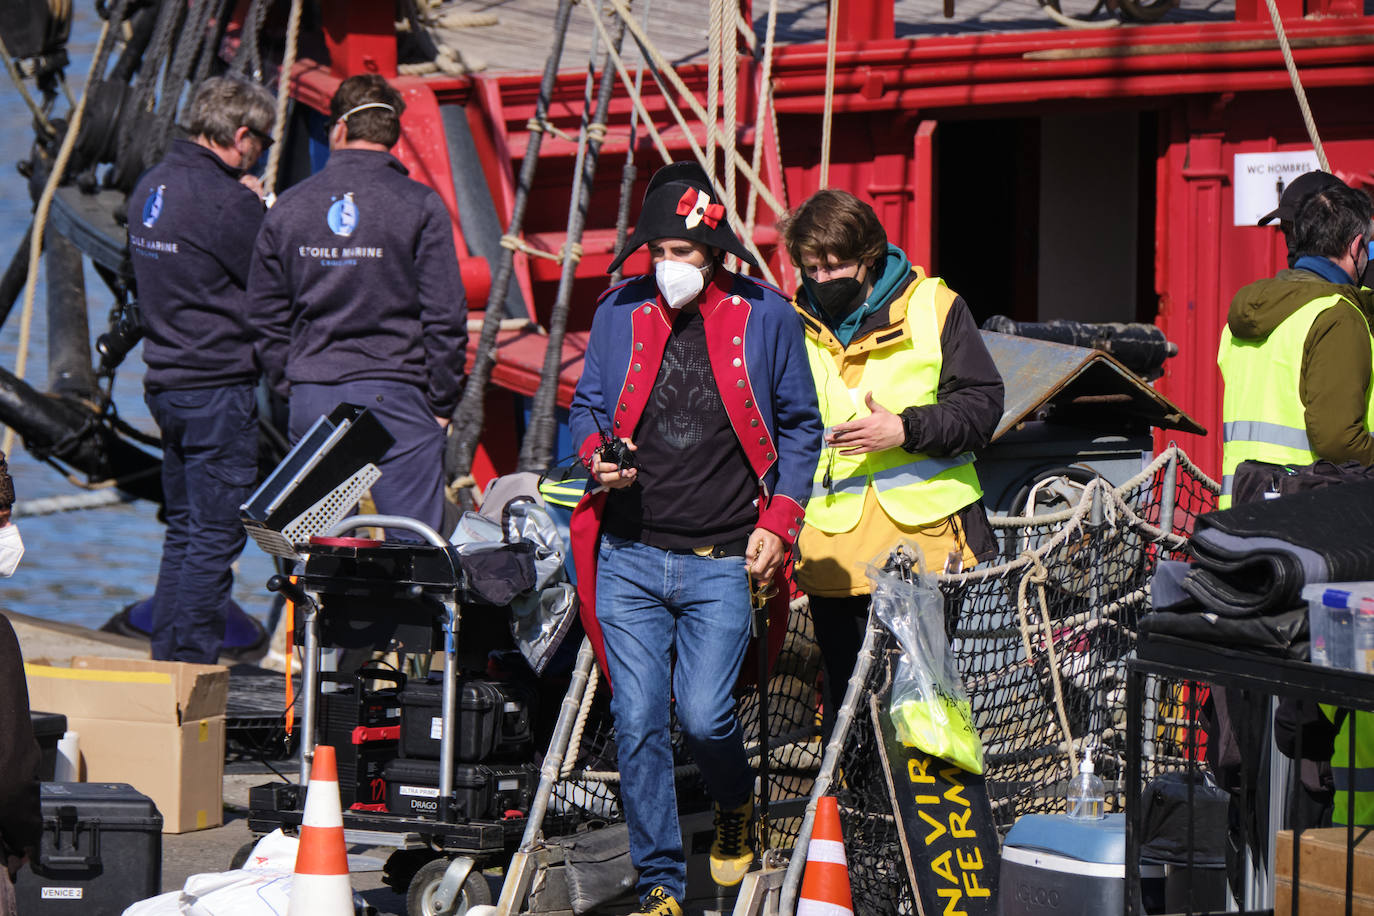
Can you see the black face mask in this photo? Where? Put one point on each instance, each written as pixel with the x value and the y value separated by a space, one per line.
pixel 1367 276
pixel 837 297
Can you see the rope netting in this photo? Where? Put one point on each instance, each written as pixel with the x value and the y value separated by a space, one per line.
pixel 1041 638
pixel 589 782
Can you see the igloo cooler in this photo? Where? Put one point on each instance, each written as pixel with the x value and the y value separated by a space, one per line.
pixel 1051 863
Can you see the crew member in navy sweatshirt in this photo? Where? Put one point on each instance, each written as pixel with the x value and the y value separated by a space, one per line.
pixel 192 221
pixel 356 277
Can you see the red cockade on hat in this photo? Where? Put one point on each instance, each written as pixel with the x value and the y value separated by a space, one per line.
pixel 697 207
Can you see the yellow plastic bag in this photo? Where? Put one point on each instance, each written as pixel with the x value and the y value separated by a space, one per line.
pixel 929 706
pixel 942 728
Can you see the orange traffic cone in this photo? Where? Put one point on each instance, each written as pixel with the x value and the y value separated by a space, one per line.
pixel 320 886
pixel 825 883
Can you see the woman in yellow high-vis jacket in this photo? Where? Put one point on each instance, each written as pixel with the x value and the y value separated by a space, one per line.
pixel 907 392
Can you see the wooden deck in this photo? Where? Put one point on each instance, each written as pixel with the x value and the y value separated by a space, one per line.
pixel 522 35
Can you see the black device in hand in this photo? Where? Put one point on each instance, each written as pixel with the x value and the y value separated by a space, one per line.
pixel 614 449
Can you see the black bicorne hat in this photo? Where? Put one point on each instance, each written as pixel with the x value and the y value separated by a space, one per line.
pixel 681 203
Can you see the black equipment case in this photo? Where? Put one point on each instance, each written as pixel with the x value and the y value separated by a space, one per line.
pixel 481 791
pixel 101 851
pixel 363 727
pixel 493 720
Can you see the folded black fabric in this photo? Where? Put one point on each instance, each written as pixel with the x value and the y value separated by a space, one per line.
pixel 1255 558
pixel 1166 587
pixel 496 572
pixel 1283 634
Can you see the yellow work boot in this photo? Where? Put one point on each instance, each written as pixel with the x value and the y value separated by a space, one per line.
pixel 658 902
pixel 732 850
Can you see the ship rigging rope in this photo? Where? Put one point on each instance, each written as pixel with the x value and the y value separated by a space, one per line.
pixel 831 33
pixel 729 65
pixel 293 32
pixel 39 117
pixel 765 107
pixel 468 418
pixel 662 69
pixel 40 218
pixel 1296 80
pixel 682 124
pixel 659 71
pixel 713 56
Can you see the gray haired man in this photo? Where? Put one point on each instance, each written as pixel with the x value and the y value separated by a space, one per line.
pixel 192 221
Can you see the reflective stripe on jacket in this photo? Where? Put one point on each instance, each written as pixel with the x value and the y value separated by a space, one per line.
pixel 1264 418
pixel 913 489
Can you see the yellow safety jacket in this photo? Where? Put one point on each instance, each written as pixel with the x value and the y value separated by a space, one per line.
pixel 913 489
pixel 1358 777
pixel 1262 415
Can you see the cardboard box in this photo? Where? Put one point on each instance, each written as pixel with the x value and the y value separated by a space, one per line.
pixel 1317 901
pixel 1323 872
pixel 1323 859
pixel 158 726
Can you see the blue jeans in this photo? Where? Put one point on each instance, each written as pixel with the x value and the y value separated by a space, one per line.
pixel 209 464
pixel 651 602
pixel 412 481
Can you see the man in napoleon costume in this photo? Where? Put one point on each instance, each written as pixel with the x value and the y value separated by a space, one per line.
pixel 703 375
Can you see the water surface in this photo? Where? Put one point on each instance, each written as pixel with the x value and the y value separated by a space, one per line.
pixel 81 567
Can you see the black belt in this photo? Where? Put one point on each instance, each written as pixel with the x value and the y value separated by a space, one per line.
pixel 735 548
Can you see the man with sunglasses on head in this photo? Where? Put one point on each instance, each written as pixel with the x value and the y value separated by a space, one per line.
pixel 192 221
pixel 355 279
pixel 907 393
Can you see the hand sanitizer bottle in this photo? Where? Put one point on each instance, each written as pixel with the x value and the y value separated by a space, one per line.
pixel 1087 793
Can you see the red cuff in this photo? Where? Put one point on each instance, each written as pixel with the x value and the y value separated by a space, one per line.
pixel 783 517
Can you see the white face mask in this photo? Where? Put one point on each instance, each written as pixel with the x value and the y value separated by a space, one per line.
pixel 679 282
pixel 11 550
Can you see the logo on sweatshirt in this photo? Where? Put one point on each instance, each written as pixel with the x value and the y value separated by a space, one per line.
pixel 343 216
pixel 152 207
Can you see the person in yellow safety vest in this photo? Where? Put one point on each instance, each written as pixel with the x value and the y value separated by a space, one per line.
pixel 1297 360
pixel 1347 774
pixel 907 392
pixel 1296 353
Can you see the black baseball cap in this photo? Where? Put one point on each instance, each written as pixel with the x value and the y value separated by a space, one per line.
pixel 1297 189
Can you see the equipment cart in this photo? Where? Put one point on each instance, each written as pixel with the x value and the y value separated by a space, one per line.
pixel 357 593
pixel 445 819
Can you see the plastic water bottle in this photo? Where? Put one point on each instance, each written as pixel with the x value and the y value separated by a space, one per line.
pixel 1317 625
pixel 1364 636
pixel 1087 793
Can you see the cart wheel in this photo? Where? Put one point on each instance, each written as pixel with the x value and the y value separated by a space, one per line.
pixel 401 867
pixel 420 897
pixel 242 855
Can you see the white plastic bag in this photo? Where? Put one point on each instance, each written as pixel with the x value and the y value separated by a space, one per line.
pixel 261 888
pixel 929 707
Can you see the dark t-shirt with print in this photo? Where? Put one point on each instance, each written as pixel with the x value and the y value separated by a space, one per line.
pixel 695 485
